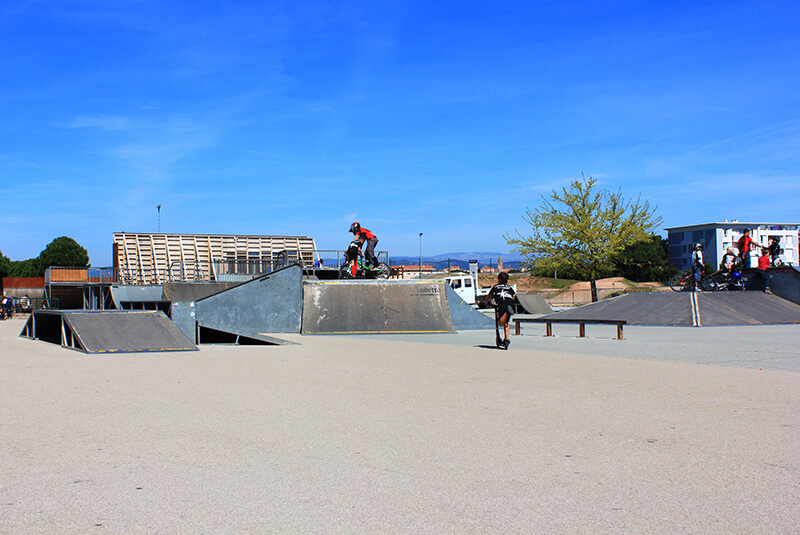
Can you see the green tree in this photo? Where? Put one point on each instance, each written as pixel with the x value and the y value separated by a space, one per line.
pixel 581 230
pixel 5 265
pixel 26 268
pixel 644 260
pixel 63 251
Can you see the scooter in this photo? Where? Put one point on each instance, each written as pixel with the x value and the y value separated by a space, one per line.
pixel 499 342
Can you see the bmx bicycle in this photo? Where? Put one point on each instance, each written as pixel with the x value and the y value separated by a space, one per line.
pixel 684 282
pixel 723 282
pixel 365 270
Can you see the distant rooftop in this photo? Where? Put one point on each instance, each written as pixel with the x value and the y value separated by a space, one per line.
pixel 737 223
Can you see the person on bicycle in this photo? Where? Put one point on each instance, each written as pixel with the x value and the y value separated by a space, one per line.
pixel 727 263
pixel 352 254
pixel 503 296
pixel 697 265
pixel 7 305
pixel 371 239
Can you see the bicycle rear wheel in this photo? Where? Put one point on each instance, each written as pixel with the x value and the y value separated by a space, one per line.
pixel 709 284
pixel 382 271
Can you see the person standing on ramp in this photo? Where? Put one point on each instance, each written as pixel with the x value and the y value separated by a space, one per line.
pixel 371 239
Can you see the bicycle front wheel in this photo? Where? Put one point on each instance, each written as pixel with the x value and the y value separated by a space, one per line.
pixel 678 283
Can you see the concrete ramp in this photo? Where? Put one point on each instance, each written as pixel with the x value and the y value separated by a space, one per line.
pixel 107 331
pixel 387 306
pixel 534 304
pixel 690 309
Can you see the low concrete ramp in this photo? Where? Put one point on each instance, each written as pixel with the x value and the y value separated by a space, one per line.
pixel 534 304
pixel 387 306
pixel 690 309
pixel 269 304
pixel 107 331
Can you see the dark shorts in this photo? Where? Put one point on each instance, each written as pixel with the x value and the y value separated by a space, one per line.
pixel 504 309
pixel 352 253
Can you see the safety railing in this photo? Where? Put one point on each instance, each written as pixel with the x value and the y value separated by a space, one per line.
pixel 582 297
pixel 199 272
pixel 78 275
pixel 22 305
pixel 334 258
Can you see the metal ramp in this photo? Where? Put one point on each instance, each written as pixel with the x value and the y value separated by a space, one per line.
pixel 107 331
pixel 250 311
pixel 368 306
pixel 534 304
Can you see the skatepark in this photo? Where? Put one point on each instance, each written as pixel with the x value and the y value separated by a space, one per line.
pixel 675 429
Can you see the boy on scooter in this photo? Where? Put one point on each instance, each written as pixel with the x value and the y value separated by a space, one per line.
pixel 503 296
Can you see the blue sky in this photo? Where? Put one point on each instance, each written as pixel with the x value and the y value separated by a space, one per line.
pixel 446 118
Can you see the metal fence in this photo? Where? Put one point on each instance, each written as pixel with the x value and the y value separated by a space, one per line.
pixel 217 271
pixel 23 305
pixel 582 297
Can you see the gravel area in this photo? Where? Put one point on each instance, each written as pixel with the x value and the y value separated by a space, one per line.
pixel 415 434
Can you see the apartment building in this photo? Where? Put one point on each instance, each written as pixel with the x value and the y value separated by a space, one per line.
pixel 716 237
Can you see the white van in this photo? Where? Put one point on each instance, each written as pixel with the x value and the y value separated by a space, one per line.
pixel 464 286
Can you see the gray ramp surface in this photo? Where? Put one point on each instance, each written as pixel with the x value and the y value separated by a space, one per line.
pixel 742 308
pixel 331 307
pixel 655 308
pixel 464 316
pixel 785 282
pixel 194 291
pixel 689 308
pixel 268 304
pixel 136 294
pixel 534 304
pixel 126 331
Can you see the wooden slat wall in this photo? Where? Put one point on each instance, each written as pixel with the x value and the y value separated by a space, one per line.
pixel 147 258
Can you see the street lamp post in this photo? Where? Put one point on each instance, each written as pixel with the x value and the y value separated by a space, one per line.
pixel 159 218
pixel 420 255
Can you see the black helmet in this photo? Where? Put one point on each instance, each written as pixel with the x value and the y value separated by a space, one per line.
pixel 355 227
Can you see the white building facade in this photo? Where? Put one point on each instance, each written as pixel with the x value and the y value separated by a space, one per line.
pixel 716 237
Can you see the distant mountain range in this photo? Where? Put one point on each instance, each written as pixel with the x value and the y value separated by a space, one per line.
pixel 441 261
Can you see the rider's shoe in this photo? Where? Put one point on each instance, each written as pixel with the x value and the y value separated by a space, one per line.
pixel 506 343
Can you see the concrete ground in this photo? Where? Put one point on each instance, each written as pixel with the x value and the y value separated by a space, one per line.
pixel 407 434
